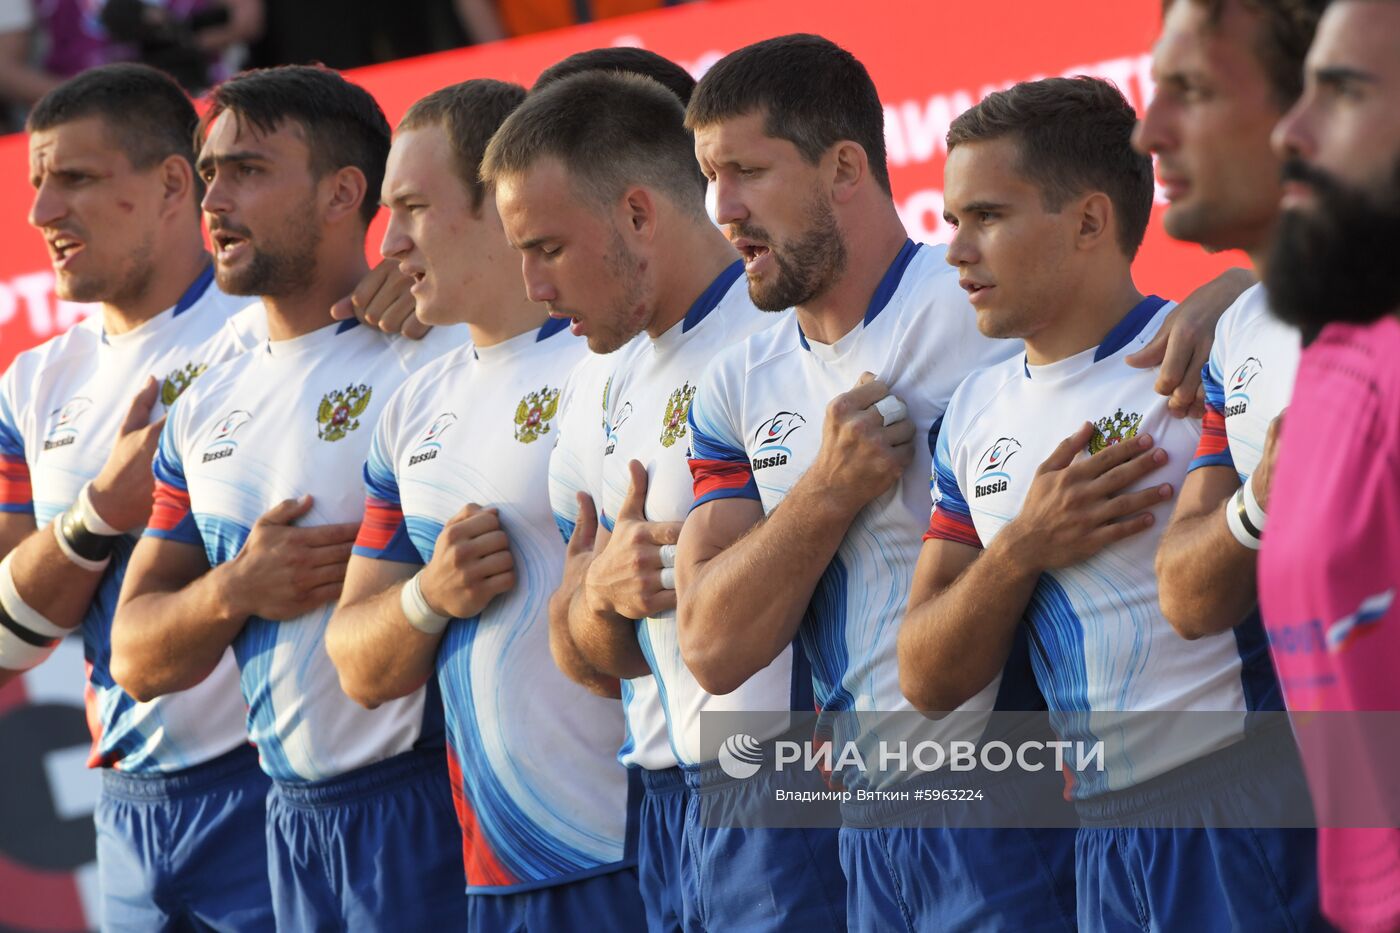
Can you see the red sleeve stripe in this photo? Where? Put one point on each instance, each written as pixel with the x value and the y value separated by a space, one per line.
pixel 381 522
pixel 1214 440
pixel 14 481
pixel 171 507
pixel 945 526
pixel 715 479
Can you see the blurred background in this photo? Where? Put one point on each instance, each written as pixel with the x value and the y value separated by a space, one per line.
pixel 931 59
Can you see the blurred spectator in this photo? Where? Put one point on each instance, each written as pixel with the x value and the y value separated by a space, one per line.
pixel 21 81
pixel 349 33
pixel 487 20
pixel 43 42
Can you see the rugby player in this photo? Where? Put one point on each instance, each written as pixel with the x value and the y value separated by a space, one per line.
pixel 1225 73
pixel 598 188
pixel 117 200
pixel 1050 203
pixel 458 551
pixel 256 506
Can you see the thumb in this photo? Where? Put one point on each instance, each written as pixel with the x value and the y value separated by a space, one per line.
pixel 634 506
pixel 585 526
pixel 865 377
pixel 1063 455
pixel 1152 354
pixel 138 415
pixel 286 511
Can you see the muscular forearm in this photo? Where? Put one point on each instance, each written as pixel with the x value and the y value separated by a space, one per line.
pixel 605 640
pixel 741 607
pixel 379 655
pixel 953 644
pixel 50 583
pixel 568 655
pixel 1205 578
pixel 168 641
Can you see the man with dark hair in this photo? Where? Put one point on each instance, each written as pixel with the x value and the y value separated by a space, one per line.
pixel 626 252
pixel 624 59
pixel 359 818
pixel 818 538
pixel 1331 560
pixel 1027 527
pixel 1226 71
pixel 458 547
pixel 806 517
pixel 117 202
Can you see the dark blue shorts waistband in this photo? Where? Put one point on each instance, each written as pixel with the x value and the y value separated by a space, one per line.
pixel 1263 754
pixel 241 762
pixel 371 780
pixel 662 780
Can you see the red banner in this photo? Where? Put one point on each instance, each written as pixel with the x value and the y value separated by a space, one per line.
pixel 931 60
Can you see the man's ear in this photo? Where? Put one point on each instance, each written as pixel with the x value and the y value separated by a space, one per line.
pixel 348 190
pixel 850 167
pixel 177 183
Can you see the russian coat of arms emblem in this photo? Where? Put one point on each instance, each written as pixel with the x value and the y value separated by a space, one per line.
pixel 340 411
pixel 178 381
pixel 533 414
pixel 1114 429
pixel 677 410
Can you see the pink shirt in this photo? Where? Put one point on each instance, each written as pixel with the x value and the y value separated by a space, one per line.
pixel 1328 575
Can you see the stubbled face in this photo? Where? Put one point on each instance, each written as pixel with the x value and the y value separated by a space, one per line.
pixel 574 257
pixel 261 207
pixel 1011 254
pixel 98 214
pixel 1208 127
pixel 1334 256
pixel 772 206
pixel 449 250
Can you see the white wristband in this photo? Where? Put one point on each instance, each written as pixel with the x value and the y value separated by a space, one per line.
pixel 891 410
pixel 417 611
pixel 1235 521
pixel 16 654
pixel 1252 508
pixel 96 566
pixel 23 627
pixel 16 608
pixel 88 514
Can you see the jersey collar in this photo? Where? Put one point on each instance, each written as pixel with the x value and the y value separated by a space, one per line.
pixel 1119 337
pixel 884 291
pixel 710 298
pixel 196 291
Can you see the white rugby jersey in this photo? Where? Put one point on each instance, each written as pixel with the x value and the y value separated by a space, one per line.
pixel 289 418
pixel 756 426
pixel 61 406
pixel 649 404
pixel 576 465
pixel 1098 639
pixel 540 796
pixel 1248 381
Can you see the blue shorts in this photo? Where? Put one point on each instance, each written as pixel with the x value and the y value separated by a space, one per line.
pixel 911 866
pixel 755 879
pixel 660 845
pixel 378 848
pixel 1139 870
pixel 602 904
pixel 185 851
